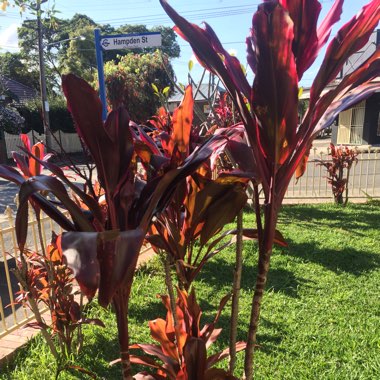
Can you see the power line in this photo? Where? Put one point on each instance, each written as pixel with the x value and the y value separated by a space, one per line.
pixel 162 19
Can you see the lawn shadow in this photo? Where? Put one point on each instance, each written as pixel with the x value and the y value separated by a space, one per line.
pixel 270 342
pixel 218 273
pixel 346 259
pixel 334 216
pixel 269 336
pixel 147 311
pixel 104 348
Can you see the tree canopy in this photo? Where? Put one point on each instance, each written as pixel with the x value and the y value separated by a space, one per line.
pixel 70 45
pixel 129 83
pixel 13 66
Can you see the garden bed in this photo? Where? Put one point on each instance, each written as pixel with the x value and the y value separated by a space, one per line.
pixel 320 316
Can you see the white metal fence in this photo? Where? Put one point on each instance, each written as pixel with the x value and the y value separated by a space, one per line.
pixel 364 178
pixel 13 316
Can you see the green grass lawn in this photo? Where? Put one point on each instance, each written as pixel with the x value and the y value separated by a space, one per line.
pixel 321 312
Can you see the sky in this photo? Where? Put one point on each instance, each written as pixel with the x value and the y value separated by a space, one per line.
pixel 231 21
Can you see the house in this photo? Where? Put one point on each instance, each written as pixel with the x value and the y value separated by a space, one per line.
pixel 204 98
pixel 16 93
pixel 359 125
pixel 11 90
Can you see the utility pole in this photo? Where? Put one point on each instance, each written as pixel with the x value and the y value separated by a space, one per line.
pixel 45 104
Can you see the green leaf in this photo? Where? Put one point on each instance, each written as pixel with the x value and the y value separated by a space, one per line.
pixel 155 88
pixel 191 64
pixel 243 69
pixel 166 90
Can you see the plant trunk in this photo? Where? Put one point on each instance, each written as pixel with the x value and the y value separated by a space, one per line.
pixel 347 179
pixel 339 197
pixel 36 311
pixel 169 285
pixel 121 299
pixel 236 291
pixel 265 252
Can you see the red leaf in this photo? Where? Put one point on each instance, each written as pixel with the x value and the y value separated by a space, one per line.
pixel 171 365
pixel 332 17
pixel 301 168
pixel 304 14
pixel 25 140
pixel 34 166
pixel 195 356
pixel 50 184
pixel 117 256
pixel 90 202
pixel 182 122
pixel 80 251
pixel 158 332
pixel 212 360
pixel 275 85
pixel 350 38
pixel 205 47
pixel 22 163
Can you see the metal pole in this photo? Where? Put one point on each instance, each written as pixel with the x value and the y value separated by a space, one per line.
pixel 45 104
pixel 99 62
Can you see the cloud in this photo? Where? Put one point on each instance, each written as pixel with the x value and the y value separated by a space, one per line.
pixel 194 59
pixel 8 38
pixel 233 52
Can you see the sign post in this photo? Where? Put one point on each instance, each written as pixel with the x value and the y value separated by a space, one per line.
pixel 117 42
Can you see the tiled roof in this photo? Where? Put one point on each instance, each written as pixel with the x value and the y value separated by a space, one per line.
pixel 22 92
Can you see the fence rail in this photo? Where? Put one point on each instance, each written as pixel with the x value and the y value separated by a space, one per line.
pixel 364 178
pixel 69 141
pixel 13 316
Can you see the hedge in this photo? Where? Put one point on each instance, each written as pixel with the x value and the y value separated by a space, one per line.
pixel 60 118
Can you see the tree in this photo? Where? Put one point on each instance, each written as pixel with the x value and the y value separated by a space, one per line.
pixel 65 52
pixel 28 42
pixel 14 67
pixel 129 82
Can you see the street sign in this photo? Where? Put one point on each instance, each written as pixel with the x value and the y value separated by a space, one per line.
pixel 131 41
pixel 117 42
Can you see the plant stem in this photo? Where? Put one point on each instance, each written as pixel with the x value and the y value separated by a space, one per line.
pixel 236 291
pixel 169 284
pixel 265 252
pixel 36 312
pixel 347 179
pixel 121 299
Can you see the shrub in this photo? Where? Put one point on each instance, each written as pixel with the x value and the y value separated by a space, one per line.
pixel 338 170
pixel 10 120
pixel 60 118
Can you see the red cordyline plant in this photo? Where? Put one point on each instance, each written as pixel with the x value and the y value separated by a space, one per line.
pixel 338 170
pixel 201 206
pixel 183 350
pixel 283 43
pixel 28 165
pixel 103 242
pixel 47 280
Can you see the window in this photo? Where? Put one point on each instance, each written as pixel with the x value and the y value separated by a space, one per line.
pixel 351 121
pixel 357 123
